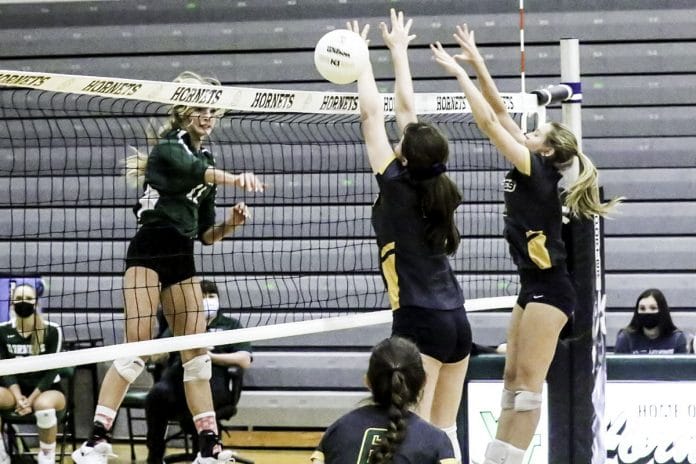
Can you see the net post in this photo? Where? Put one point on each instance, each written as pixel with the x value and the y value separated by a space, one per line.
pixel 586 350
pixel 570 76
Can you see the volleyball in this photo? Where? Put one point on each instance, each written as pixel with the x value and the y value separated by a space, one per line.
pixel 340 56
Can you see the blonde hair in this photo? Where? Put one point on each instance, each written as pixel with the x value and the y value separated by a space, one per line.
pixel 582 197
pixel 38 333
pixel 136 163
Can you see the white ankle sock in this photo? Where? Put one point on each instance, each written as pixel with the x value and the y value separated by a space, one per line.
pixel 499 452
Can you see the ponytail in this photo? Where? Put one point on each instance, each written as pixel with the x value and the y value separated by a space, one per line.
pixel 440 197
pixel 582 197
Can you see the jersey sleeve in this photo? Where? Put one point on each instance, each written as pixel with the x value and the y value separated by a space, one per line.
pixel 444 450
pixel 172 167
pixel 623 345
pixel 680 342
pixel 320 452
pixel 54 343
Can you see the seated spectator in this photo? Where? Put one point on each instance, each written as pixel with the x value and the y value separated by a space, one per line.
pixel 166 400
pixel 387 431
pixel 28 334
pixel 651 330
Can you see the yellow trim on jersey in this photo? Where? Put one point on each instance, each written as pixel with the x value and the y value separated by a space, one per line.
pixel 526 167
pixel 386 163
pixel 317 456
pixel 449 461
pixel 389 272
pixel 536 248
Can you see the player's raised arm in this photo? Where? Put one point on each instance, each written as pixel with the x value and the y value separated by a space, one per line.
pixel 397 40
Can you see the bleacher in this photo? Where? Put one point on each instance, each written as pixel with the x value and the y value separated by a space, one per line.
pixel 639 89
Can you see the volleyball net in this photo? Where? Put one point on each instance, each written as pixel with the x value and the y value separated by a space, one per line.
pixel 305 262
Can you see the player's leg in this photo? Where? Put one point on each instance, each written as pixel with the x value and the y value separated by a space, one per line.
pixel 538 334
pixel 450 382
pixel 7 402
pixel 534 347
pixel 182 305
pixel 499 450
pixel 432 373
pixel 141 298
pixel 46 406
pixel 446 400
pixel 509 373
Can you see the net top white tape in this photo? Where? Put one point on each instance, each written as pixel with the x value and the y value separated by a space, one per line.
pixel 243 98
pixel 145 348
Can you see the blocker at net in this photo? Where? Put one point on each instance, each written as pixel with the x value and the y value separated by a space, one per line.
pixel 308 252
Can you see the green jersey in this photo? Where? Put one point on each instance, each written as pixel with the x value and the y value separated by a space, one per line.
pixel 13 345
pixel 176 193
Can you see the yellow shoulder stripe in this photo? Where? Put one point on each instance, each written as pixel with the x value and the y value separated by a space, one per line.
pixel 387 162
pixel 526 166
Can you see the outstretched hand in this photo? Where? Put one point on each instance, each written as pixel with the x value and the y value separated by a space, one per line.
pixel 250 182
pixel 444 59
pixel 353 26
pixel 399 37
pixel 467 42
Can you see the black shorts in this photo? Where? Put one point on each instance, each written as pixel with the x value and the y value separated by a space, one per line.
pixel 165 251
pixel 27 389
pixel 443 335
pixel 550 286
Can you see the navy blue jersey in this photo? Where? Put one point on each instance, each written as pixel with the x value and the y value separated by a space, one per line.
pixel 175 192
pixel 414 273
pixel 637 343
pixel 533 215
pixel 350 439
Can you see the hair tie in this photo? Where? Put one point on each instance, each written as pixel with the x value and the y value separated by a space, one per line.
pixel 429 172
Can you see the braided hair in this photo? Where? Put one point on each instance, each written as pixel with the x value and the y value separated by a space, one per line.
pixel 396 377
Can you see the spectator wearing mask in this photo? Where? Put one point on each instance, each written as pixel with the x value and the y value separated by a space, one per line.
pixel 651 330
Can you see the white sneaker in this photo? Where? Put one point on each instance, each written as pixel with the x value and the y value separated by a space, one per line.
pixel 98 454
pixel 223 457
pixel 42 458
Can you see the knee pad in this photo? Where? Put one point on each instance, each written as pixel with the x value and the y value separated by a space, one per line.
pixel 46 418
pixel 129 368
pixel 507 399
pixel 198 368
pixel 527 401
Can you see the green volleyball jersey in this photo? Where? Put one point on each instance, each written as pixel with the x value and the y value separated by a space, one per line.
pixel 14 345
pixel 176 193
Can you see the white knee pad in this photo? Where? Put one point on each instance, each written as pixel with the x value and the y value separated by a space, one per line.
pixel 46 418
pixel 507 399
pixel 129 368
pixel 198 368
pixel 527 401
